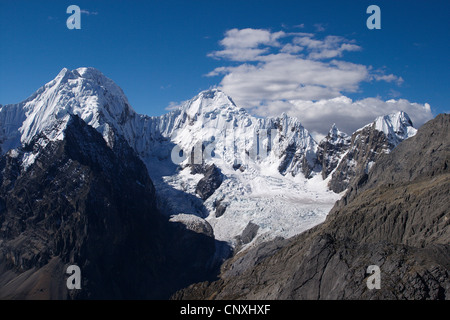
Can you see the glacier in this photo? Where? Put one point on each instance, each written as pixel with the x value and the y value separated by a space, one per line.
pixel 271 174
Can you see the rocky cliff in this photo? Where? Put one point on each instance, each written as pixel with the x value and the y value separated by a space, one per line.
pixel 68 198
pixel 365 147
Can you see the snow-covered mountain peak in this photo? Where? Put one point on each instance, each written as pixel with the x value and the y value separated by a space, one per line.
pixel 62 73
pixel 85 92
pixel 211 103
pixel 394 121
pixel 88 72
pixel 396 126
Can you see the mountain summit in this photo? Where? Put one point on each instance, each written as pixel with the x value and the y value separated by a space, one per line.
pixel 85 92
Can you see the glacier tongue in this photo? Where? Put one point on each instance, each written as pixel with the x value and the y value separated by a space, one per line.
pixel 279 205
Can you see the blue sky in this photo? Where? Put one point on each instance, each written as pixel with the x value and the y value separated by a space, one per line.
pixel 164 52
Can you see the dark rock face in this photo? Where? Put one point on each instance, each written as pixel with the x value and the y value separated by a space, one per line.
pixel 220 207
pixel 409 187
pixel 249 233
pixel 396 217
pixel 220 210
pixel 288 157
pixel 331 149
pixel 210 182
pixel 366 146
pixel 421 157
pixel 293 157
pixel 81 202
pixel 193 245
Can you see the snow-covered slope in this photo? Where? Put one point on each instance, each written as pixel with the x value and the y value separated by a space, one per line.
pixel 271 175
pixel 84 91
pixel 234 137
pixel 396 126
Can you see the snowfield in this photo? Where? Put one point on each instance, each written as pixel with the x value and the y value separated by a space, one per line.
pixel 282 206
pixel 278 205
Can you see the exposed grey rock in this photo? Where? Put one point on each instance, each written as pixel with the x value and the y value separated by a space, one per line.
pixel 240 263
pixel 194 223
pixel 220 210
pixel 193 251
pixel 366 146
pixel 249 233
pixel 331 149
pixel 220 207
pixel 294 157
pixel 197 168
pixel 210 182
pixel 239 166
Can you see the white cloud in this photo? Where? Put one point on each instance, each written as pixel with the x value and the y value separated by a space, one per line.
pixel 388 78
pixel 348 115
pixel 249 38
pixel 173 105
pixel 286 77
pixel 330 47
pixel 304 76
pixel 291 48
pixel 243 45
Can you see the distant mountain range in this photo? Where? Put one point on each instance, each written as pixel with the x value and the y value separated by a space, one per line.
pixel 88 181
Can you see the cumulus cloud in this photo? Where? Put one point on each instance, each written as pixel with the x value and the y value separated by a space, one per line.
pixel 284 77
pixel 245 44
pixel 388 78
pixel 348 115
pixel 304 76
pixel 330 47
